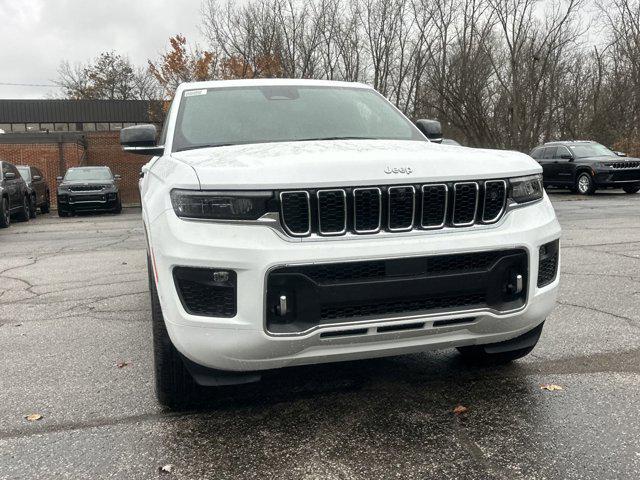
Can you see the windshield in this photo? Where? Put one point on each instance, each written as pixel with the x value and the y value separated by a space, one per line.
pixel 257 114
pixel 591 150
pixel 88 174
pixel 25 172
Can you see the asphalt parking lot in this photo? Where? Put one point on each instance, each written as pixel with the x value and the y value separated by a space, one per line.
pixel 75 338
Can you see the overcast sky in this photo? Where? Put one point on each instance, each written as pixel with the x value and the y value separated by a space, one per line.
pixel 35 35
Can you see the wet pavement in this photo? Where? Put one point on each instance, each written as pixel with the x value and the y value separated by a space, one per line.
pixel 74 305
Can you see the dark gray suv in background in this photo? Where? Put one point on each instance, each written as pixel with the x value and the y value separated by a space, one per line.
pixel 39 196
pixel 584 166
pixel 14 195
pixel 88 189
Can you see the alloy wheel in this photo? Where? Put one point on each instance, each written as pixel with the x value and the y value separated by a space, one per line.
pixel 584 183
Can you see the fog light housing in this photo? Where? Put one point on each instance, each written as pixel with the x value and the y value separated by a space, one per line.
pixel 206 291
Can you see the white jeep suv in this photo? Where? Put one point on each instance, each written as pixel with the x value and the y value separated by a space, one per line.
pixel 293 222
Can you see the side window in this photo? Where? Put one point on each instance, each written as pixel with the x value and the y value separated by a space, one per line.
pixel 550 152
pixel 563 151
pixel 13 169
pixel 537 153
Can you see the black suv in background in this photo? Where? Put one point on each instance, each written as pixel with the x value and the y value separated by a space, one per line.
pixel 39 196
pixel 14 195
pixel 88 189
pixel 584 166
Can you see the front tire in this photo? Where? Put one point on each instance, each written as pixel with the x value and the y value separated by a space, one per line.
pixel 585 184
pixel 631 188
pixel 25 211
pixel 502 352
pixel 175 388
pixel 118 207
pixel 46 206
pixel 5 215
pixel 33 207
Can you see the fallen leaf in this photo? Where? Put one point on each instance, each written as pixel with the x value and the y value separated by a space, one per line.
pixel 33 417
pixel 550 387
pixel 123 364
pixel 168 468
pixel 460 409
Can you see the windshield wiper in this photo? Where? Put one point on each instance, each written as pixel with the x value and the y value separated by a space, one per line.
pixel 334 138
pixel 205 145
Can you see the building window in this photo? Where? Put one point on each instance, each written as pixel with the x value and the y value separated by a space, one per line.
pixel 33 127
pixel 46 127
pixel 5 127
pixel 125 125
pixel 88 127
pixel 62 127
pixel 102 127
pixel 74 127
pixel 115 126
pixel 19 127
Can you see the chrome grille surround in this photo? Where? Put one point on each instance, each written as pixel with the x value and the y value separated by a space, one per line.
pixel 504 201
pixel 343 194
pixel 357 191
pixel 460 185
pixel 390 209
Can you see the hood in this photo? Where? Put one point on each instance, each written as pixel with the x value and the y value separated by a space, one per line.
pixel 87 182
pixel 348 163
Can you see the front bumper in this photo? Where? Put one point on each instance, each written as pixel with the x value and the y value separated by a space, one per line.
pixel 242 343
pixel 87 201
pixel 617 177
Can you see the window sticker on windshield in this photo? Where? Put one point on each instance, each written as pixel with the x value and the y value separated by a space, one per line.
pixel 195 93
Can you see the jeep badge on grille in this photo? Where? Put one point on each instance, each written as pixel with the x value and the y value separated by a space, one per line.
pixel 390 170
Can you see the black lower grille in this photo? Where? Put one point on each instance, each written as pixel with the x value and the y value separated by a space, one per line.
pixel 317 295
pixel 373 308
pixel 548 265
pixel 205 291
pixel 87 198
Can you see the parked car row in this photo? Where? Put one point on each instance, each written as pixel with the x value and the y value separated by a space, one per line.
pixel 24 190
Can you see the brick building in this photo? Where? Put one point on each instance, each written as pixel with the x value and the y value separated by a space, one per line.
pixel 54 135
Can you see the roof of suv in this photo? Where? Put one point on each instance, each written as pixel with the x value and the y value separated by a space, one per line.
pixel 565 142
pixel 263 82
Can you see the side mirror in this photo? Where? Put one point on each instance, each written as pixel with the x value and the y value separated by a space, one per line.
pixel 37 178
pixel 58 179
pixel 117 177
pixel 140 139
pixel 566 156
pixel 9 176
pixel 431 129
pixel 620 154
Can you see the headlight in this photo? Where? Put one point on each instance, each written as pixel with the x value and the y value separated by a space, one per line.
pixel 526 189
pixel 221 205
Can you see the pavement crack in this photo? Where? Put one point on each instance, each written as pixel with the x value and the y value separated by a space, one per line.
pixel 630 321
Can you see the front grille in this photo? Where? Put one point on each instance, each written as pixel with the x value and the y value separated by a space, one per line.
pixel 494 200
pixel 332 211
pixel 319 295
pixel 465 206
pixel 397 208
pixel 296 212
pixel 548 265
pixel 367 210
pixel 85 188
pixel 401 208
pixel 623 165
pixel 202 294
